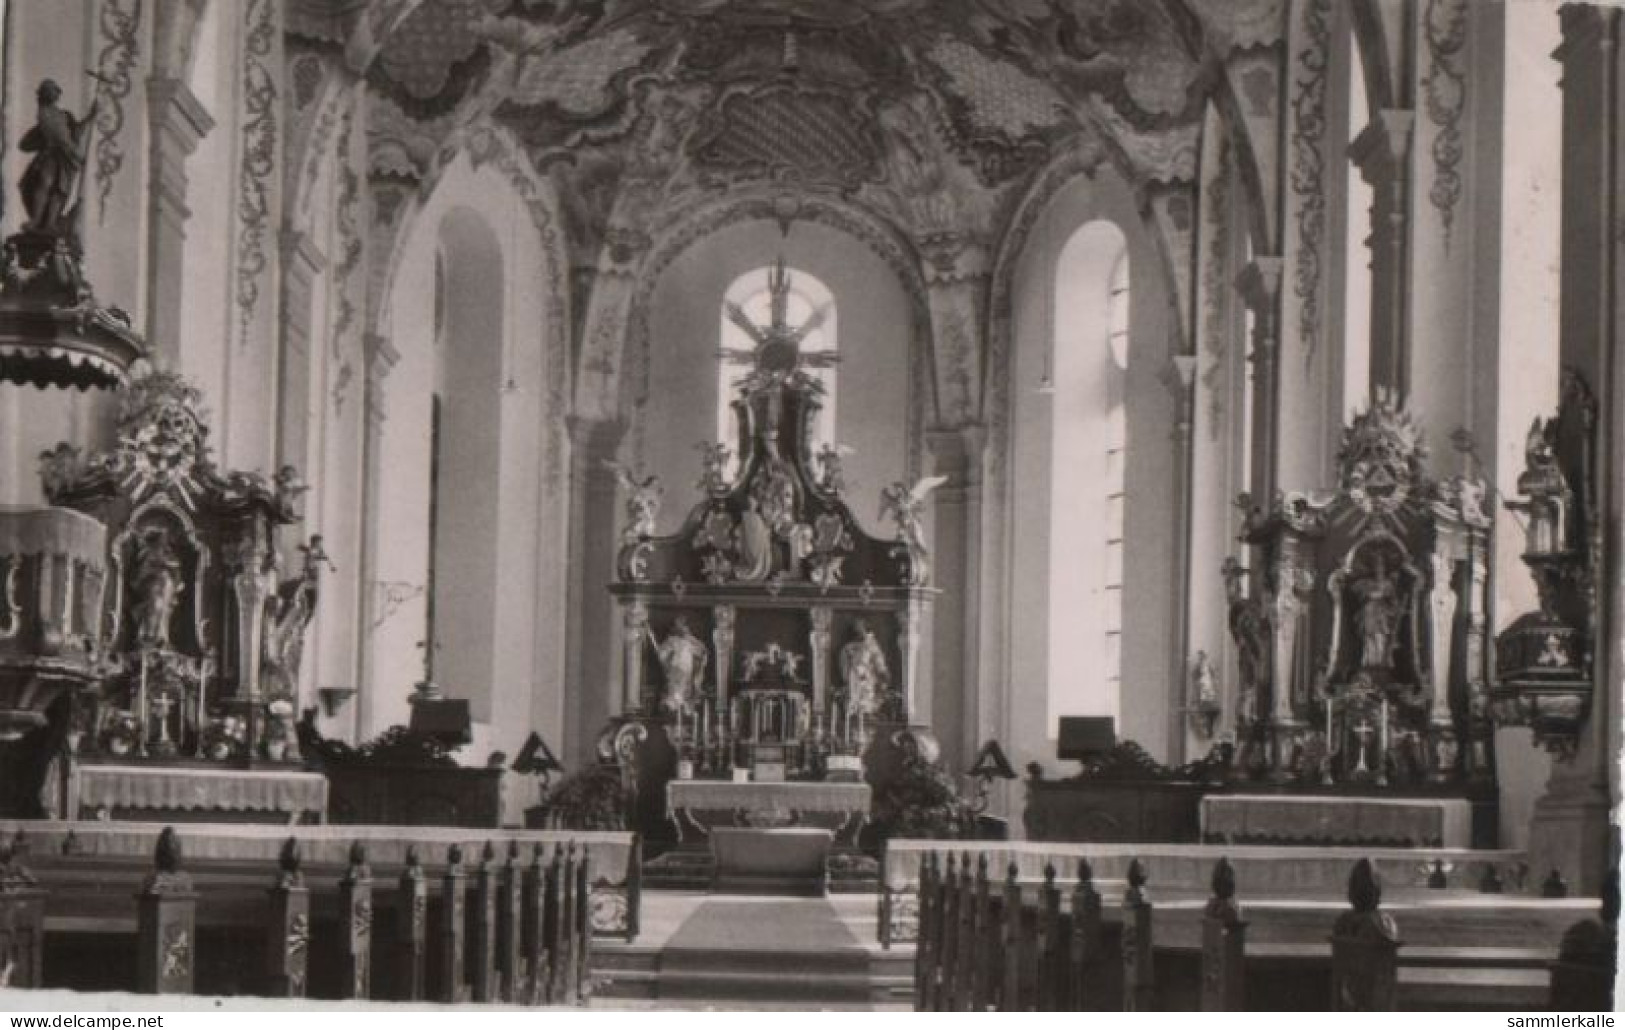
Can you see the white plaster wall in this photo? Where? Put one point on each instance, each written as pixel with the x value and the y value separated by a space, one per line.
pixel 500 618
pixel 1149 524
pixel 1530 261
pixel 874 326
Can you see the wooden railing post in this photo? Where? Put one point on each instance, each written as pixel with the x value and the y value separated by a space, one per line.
pixel 985 937
pixel 1365 948
pixel 508 919
pixel 925 935
pixel 166 923
pixel 482 932
pixel 412 921
pixel 532 905
pixel 1139 976
pixel 583 927
pixel 22 917
pixel 552 925
pixel 1051 950
pixel 287 944
pixel 1010 996
pixel 355 909
pixel 449 944
pixel 963 971
pixel 947 937
pixel 566 957
pixel 1583 975
pixel 1088 943
pixel 1224 945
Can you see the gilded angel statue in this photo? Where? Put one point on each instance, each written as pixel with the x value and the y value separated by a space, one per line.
pixel 642 502
pixel 905 505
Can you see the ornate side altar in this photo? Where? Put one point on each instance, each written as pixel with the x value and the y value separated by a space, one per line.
pixel 1360 630
pixel 770 639
pixel 202 631
pixel 143 616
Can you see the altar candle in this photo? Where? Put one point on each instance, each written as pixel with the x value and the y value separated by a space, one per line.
pixel 202 711
pixel 141 716
pixel 705 721
pixel 1382 740
pixel 1328 725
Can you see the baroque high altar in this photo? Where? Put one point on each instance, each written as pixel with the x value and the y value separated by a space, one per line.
pixel 1360 628
pixel 770 639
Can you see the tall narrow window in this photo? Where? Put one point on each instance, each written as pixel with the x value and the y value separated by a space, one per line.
pixel 809 313
pixel 1089 453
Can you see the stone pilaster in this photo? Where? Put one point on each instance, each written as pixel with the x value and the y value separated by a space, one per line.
pixel 301 262
pixel 952 705
pixel 1570 831
pixel 592 670
pixel 1260 287
pixel 1381 151
pixel 1310 362
pixel 380 356
pixel 178 124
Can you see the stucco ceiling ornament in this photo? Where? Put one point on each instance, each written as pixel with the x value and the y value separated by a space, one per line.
pixel 1241 24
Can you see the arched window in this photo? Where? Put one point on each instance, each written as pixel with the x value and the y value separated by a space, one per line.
pixel 1089 452
pixel 809 303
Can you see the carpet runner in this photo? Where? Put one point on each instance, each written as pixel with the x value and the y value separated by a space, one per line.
pixel 765 950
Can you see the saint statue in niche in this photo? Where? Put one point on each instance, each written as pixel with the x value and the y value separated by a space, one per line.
pixel 864 670
pixel 51 183
pixel 755 545
pixel 682 661
pixel 1378 617
pixel 158 584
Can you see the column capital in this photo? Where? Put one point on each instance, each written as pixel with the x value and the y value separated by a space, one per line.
pixel 594 438
pixel 177 113
pixel 1381 148
pixel 300 255
pixel 379 354
pixel 1259 283
pixel 956 451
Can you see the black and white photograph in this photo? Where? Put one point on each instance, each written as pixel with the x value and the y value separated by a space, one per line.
pixel 802 506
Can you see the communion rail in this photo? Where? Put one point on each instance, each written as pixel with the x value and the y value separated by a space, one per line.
pixel 487 917
pixel 984 946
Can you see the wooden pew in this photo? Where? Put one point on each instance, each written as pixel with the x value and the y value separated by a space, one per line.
pixel 166 923
pixel 261 937
pixel 22 917
pixel 1365 948
pixel 355 913
pixel 1224 946
pixel 287 945
pixel 412 922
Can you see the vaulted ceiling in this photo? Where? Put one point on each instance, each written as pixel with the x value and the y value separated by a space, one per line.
pixel 934 112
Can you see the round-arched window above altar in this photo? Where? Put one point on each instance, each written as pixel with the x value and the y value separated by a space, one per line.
pixel 747 314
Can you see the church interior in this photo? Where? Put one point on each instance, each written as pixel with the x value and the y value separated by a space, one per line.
pixel 528 498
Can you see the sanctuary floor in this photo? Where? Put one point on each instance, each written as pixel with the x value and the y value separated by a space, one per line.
pixel 698 950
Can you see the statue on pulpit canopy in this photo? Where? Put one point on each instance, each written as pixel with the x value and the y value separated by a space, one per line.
pixel 1378 617
pixel 51 183
pixel 682 662
pixel 1547 491
pixel 864 670
pixel 158 585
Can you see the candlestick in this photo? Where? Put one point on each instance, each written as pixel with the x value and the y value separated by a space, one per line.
pixel 202 710
pixel 141 704
pixel 1382 744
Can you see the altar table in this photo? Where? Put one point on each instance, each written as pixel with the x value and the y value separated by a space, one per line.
pixel 695 807
pixel 1336 820
pixel 197 794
